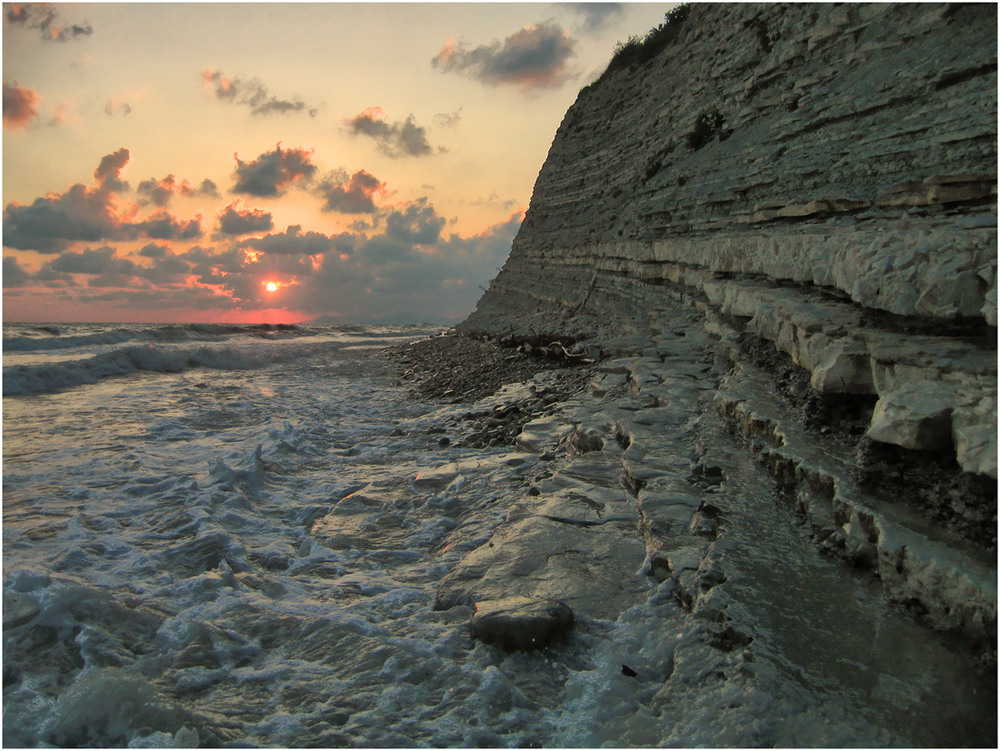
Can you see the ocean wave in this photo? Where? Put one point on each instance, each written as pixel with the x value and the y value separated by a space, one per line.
pixel 50 377
pixel 40 338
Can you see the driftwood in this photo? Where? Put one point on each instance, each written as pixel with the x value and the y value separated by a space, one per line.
pixel 555 350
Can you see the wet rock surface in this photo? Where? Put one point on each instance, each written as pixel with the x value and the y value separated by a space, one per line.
pixel 520 623
pixel 787 283
pixel 642 493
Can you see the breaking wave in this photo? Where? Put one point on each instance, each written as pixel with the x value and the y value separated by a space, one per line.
pixel 47 337
pixel 55 376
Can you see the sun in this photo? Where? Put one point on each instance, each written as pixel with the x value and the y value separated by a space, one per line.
pixel 271 286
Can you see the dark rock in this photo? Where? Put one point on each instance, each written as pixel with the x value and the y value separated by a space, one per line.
pixel 729 639
pixel 461 368
pixel 520 623
pixel 584 441
pixel 703 525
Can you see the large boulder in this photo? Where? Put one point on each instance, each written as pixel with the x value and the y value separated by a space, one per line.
pixel 520 622
pixel 917 416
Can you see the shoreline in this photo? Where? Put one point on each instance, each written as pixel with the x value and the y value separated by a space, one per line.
pixel 457 368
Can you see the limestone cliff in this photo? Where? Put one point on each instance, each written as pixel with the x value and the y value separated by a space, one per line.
pixel 814 180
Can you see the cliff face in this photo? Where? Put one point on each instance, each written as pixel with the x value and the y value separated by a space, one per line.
pixel 848 171
pixel 813 180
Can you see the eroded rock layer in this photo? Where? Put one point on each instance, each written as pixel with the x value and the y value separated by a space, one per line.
pixel 826 174
pixel 818 184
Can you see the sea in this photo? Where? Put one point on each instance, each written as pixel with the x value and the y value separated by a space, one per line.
pixel 163 585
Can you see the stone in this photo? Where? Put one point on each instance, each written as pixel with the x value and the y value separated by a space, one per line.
pixel 582 441
pixel 359 518
pixel 590 568
pixel 542 434
pixel 520 623
pixel 438 478
pixel 843 368
pixel 976 448
pixel 917 416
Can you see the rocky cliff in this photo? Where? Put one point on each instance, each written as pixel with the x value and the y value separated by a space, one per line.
pixel 816 184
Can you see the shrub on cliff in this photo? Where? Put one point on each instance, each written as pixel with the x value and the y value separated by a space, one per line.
pixel 706 127
pixel 639 51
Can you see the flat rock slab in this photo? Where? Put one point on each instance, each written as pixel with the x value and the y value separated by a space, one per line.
pixel 542 434
pixel 587 506
pixel 520 622
pixel 595 570
pixel 361 521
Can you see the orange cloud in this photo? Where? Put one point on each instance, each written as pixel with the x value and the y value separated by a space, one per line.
pixel 20 106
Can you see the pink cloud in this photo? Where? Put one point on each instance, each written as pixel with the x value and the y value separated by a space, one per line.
pixel 533 57
pixel 20 106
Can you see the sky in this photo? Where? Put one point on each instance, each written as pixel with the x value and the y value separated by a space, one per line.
pixel 279 162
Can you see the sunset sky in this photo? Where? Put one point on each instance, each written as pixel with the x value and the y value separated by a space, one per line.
pixel 280 162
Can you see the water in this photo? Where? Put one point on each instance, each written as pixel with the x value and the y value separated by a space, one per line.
pixel 166 584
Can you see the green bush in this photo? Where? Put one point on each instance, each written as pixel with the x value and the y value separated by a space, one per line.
pixel 706 127
pixel 639 51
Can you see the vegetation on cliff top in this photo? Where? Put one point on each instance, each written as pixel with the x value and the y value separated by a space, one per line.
pixel 638 51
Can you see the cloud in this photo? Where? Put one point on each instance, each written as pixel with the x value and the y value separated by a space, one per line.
pixel 114 107
pixel 253 94
pixel 448 119
pixel 494 199
pixel 108 172
pixel 293 241
pixel 208 188
pixel 103 265
pixel 153 251
pixel 597 16
pixel 534 58
pixel 104 260
pixel 161 191
pixel 90 214
pixel 82 213
pixel 404 236
pixel 398 139
pixel 211 267
pixel 52 279
pixel 273 171
pixel 44 17
pixel 167 269
pixel 20 106
pixel 13 274
pixel 355 196
pixel 390 278
pixel 405 271
pixel 105 268
pixel 232 221
pixel 418 224
pixel 62 114
pixel 165 226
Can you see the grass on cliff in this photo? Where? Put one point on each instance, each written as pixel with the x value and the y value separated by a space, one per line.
pixel 640 50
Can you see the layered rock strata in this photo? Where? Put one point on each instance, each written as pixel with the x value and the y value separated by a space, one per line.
pixel 820 179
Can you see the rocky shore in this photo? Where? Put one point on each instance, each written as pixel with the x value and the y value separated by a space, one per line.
pixel 638 479
pixel 459 368
pixel 539 412
pixel 772 230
